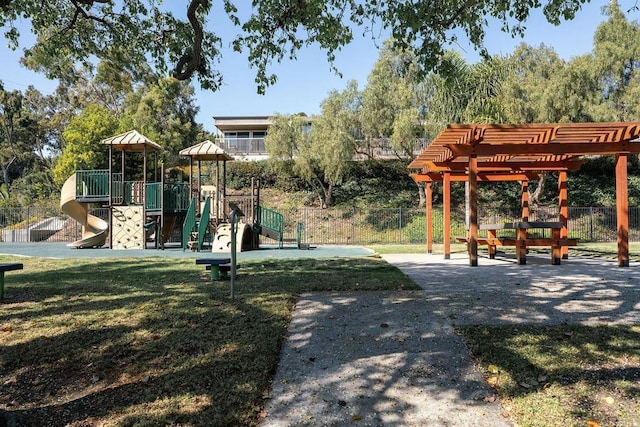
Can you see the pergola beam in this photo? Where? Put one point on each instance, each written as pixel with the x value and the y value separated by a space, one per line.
pixel 482 177
pixel 550 149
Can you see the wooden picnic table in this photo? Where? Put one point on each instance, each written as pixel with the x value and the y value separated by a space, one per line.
pixel 522 240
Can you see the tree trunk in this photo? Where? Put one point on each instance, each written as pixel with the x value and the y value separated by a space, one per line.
pixel 421 196
pixel 5 178
pixel 535 197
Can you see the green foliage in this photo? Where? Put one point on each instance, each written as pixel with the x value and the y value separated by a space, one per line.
pixel 36 185
pixel 389 102
pixel 239 174
pixel 322 157
pixel 616 55
pixel 82 148
pixel 141 31
pixel 377 183
pixel 464 93
pixel 527 92
pixel 318 156
pixel 164 111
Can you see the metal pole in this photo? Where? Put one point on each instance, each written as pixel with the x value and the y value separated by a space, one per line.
pixel 400 223
pixel 233 252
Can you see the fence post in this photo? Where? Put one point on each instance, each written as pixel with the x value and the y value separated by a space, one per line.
pixel 353 225
pixel 591 223
pixel 28 236
pixel 400 223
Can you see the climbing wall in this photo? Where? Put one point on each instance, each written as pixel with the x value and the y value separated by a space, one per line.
pixel 128 227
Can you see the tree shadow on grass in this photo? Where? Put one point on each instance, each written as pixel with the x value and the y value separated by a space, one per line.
pixel 154 341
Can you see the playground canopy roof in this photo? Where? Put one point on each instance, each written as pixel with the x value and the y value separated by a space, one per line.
pixel 520 149
pixel 206 150
pixel 132 141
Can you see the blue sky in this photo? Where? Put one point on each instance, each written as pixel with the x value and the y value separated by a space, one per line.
pixel 303 84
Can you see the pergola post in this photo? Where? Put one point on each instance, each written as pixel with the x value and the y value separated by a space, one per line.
pixel 521 237
pixel 446 214
pixel 622 210
pixel 524 202
pixel 563 204
pixel 428 190
pixel 473 211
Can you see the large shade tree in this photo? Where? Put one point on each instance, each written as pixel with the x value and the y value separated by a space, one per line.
pixel 82 138
pixel 178 38
pixel 319 155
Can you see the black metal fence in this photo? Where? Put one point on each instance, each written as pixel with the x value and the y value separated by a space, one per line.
pixel 353 226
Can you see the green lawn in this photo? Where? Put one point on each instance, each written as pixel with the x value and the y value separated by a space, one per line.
pixel 147 342
pixel 562 375
pixel 153 341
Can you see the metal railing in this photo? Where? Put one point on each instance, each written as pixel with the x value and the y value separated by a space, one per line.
pixel 153 196
pixel 92 184
pixel 337 226
pixel 176 197
pixel 271 219
pixel 242 145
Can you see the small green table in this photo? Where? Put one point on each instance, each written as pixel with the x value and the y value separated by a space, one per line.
pixel 214 264
pixel 7 267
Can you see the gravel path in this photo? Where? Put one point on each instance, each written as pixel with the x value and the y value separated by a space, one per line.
pixel 393 359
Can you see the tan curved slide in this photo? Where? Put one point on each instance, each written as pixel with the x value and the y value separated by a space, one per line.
pixel 222 238
pixel 94 230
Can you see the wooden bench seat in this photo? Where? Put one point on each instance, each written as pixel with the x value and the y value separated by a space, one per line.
pixel 493 242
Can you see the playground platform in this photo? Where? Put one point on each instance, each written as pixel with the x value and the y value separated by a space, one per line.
pixel 61 251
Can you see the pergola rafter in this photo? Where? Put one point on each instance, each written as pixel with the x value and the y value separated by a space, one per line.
pixel 520 152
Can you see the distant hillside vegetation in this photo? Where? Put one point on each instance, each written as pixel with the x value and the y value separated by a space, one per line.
pixel 386 183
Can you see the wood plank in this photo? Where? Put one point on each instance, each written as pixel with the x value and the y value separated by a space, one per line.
pixel 508 241
pixel 521 224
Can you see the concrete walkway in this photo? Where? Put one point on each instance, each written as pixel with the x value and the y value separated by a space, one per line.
pixel 393 359
pixel 499 291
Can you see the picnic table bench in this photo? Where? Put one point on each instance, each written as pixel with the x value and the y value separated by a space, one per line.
pixel 7 267
pixel 216 265
pixel 522 239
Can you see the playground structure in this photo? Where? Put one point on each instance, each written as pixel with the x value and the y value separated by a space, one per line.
pixel 144 210
pixel 208 220
pixel 142 206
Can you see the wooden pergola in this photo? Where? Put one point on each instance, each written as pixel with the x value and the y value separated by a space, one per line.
pixel 520 152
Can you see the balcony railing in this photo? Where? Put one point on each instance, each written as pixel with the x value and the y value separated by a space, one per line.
pixel 242 145
pixel 380 148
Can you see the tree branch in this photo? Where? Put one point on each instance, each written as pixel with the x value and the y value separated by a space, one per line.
pixel 190 61
pixel 85 14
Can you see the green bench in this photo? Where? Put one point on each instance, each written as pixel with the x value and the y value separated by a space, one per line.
pixel 216 265
pixel 7 267
pixel 224 269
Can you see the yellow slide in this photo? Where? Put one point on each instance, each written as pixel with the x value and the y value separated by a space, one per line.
pixel 94 230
